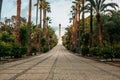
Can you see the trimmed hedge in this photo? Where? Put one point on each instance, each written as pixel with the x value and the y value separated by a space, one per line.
pixel 7 50
pixel 85 50
pixel 106 52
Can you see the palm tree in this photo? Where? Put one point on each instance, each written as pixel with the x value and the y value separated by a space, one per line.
pixel 46 8
pixel 39 5
pixel 29 25
pixel 99 6
pixel 88 8
pixel 77 23
pixel 17 27
pixel 73 25
pixel 0 8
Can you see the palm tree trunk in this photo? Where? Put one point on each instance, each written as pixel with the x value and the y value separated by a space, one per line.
pixel 29 26
pixel 17 27
pixel 44 21
pixel 99 30
pixel 78 28
pixel 37 13
pixel 0 8
pixel 91 28
pixel 75 26
pixel 40 16
pixel 83 24
pixel 73 31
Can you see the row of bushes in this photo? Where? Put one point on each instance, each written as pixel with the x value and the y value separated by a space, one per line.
pixel 107 52
pixel 9 50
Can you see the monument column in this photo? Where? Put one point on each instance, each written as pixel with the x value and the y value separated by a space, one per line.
pixel 59 42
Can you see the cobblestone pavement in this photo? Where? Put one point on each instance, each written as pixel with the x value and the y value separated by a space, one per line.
pixel 58 64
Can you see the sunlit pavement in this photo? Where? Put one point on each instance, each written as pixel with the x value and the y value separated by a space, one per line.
pixel 58 64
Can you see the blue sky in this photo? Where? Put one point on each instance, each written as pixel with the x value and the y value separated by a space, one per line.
pixel 60 11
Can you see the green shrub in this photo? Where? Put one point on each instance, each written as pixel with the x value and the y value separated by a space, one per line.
pixel 5 49
pixel 85 50
pixel 43 41
pixel 34 49
pixel 46 49
pixel 23 50
pixel 95 51
pixel 74 50
pixel 116 51
pixel 6 37
pixel 85 39
pixel 107 52
pixel 16 51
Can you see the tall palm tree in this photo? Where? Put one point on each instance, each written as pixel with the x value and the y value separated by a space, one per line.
pixel 88 8
pixel 0 8
pixel 99 6
pixel 17 27
pixel 77 29
pixel 73 25
pixel 46 8
pixel 29 25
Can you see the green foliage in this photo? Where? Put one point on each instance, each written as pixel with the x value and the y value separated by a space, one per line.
pixel 107 52
pixel 5 49
pixel 16 51
pixel 67 38
pixel 46 49
pixel 6 37
pixel 85 50
pixel 43 41
pixel 52 37
pixel 24 35
pixel 74 50
pixel 95 51
pixel 85 39
pixel 23 50
pixel 116 51
pixel 34 49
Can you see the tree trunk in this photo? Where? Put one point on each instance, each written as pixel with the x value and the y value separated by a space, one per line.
pixel 17 27
pixel 73 32
pixel 0 8
pixel 37 13
pixel 40 16
pixel 99 30
pixel 75 26
pixel 83 24
pixel 29 26
pixel 44 22
pixel 91 28
pixel 78 28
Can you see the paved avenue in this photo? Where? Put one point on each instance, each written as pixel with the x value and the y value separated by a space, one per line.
pixel 58 64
